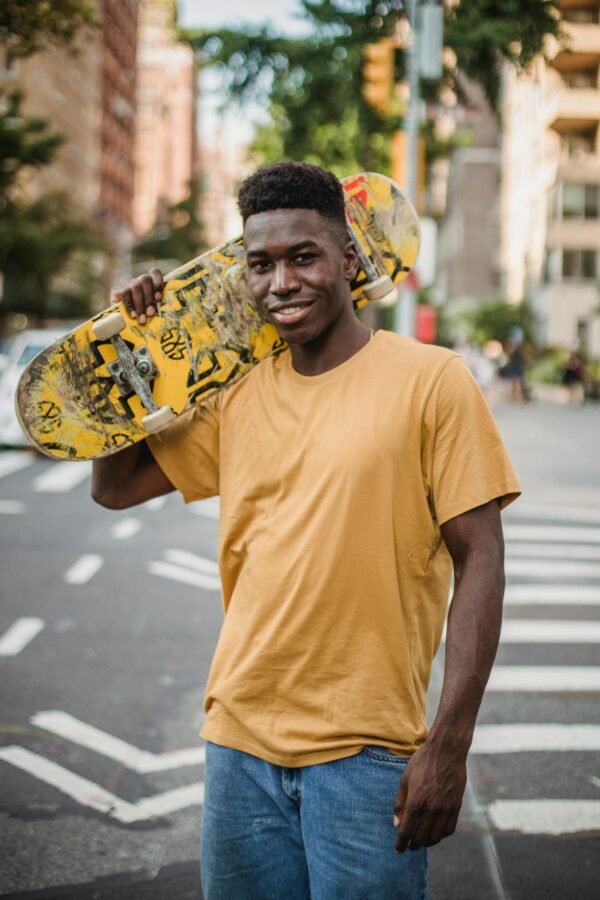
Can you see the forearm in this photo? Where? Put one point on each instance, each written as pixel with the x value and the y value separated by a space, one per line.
pixel 473 633
pixel 127 478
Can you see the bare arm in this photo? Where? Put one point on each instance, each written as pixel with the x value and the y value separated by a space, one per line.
pixel 431 791
pixel 127 478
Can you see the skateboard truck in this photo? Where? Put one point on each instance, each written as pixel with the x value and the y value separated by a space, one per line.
pixel 133 371
pixel 378 287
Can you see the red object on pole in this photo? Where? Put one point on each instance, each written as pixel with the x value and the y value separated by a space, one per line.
pixel 425 325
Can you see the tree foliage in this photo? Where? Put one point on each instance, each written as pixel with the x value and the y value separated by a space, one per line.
pixel 37 237
pixel 311 85
pixel 27 26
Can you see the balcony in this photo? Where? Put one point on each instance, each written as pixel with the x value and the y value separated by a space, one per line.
pixel 579 168
pixel 578 49
pixel 581 234
pixel 573 109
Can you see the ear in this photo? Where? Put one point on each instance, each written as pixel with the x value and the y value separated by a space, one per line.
pixel 350 261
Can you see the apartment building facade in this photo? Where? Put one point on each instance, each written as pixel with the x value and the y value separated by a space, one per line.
pixel 166 145
pixel 540 236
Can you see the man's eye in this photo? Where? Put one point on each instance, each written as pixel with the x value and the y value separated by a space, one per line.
pixel 259 265
pixel 304 258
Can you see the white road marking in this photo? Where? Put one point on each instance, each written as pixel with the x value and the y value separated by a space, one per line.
pixel 125 528
pixel 551 569
pixel 92 795
pixel 155 504
pixel 595 781
pixel 545 816
pixel 186 576
pixel 530 737
pixel 577 514
pixel 20 633
pixel 545 631
pixel 567 534
pixel 192 561
pixel 13 462
pixel 554 594
pixel 62 476
pixel 11 507
pixel 552 551
pixel 209 508
pixel 84 569
pixel 545 678
pixel 141 761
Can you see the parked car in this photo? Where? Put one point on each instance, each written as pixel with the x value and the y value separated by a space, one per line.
pixel 20 352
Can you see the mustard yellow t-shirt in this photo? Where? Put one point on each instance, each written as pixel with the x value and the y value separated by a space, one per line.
pixel 335 576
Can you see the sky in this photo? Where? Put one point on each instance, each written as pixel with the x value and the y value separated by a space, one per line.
pixel 281 15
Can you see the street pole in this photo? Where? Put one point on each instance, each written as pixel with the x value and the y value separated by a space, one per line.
pixel 405 308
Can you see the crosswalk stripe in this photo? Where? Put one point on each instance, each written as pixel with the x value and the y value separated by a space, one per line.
pixel 141 761
pixel 545 816
pixel 11 507
pixel 210 508
pixel 554 594
pixel 534 737
pixel 552 551
pixel 545 678
pixel 550 568
pixel 125 528
pixel 13 462
pixel 62 476
pixel 20 634
pixel 544 631
pixel 200 563
pixel 92 795
pixel 155 504
pixel 186 576
pixel 84 569
pixel 567 534
pixel 577 514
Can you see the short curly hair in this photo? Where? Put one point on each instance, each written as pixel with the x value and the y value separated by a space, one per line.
pixel 293 185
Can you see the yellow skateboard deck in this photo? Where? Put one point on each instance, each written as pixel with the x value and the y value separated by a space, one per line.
pixel 111 381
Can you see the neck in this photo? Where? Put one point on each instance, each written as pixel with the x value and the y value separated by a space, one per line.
pixel 332 347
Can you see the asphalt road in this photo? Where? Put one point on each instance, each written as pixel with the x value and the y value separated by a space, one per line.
pixel 107 626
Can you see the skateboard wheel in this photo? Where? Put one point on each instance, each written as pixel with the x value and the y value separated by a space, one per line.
pixel 108 326
pixel 156 421
pixel 382 289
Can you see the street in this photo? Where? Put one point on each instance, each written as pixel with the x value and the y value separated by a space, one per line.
pixel 107 626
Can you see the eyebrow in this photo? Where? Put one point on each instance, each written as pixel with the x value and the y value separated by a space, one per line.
pixel 293 249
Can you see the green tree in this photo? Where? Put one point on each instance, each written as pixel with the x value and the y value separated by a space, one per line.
pixel 179 235
pixel 37 238
pixel 312 85
pixel 496 320
pixel 27 26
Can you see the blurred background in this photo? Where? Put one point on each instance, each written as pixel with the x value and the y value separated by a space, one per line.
pixel 126 127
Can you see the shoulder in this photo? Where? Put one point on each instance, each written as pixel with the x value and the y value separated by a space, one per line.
pixel 415 362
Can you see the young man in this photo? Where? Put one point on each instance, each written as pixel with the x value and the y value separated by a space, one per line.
pixel 355 471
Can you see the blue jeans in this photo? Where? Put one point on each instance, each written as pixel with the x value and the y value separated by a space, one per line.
pixel 321 832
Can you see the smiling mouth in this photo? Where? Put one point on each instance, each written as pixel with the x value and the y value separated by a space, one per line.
pixel 289 315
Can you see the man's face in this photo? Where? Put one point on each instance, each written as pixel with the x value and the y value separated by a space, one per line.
pixel 299 269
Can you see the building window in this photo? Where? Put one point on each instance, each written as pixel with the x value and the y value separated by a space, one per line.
pixel 580 264
pixel 583 14
pixel 581 201
pixel 578 142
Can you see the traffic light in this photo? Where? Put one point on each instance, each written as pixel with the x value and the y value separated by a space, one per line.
pixel 378 74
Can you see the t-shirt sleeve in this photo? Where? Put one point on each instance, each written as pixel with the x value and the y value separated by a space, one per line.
pixel 188 451
pixel 465 461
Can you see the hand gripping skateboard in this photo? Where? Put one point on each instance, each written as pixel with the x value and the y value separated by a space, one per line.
pixel 111 381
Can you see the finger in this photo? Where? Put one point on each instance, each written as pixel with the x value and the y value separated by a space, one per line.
pixel 423 834
pixel 158 284
pixel 148 292
pixel 408 823
pixel 451 823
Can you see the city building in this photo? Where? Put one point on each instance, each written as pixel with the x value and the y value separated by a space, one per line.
pixel 522 217
pixel 166 145
pixel 87 94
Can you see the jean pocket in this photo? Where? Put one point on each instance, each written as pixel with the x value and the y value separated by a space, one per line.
pixel 382 754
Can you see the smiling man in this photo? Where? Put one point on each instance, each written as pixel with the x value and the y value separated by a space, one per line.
pixel 357 473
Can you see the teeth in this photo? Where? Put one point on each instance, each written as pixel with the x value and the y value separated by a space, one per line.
pixel 289 310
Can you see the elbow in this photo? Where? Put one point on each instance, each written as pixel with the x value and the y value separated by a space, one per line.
pixel 107 498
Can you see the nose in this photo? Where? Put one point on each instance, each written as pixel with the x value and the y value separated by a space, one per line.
pixel 284 279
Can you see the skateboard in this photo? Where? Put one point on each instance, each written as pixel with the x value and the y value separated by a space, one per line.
pixel 111 381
